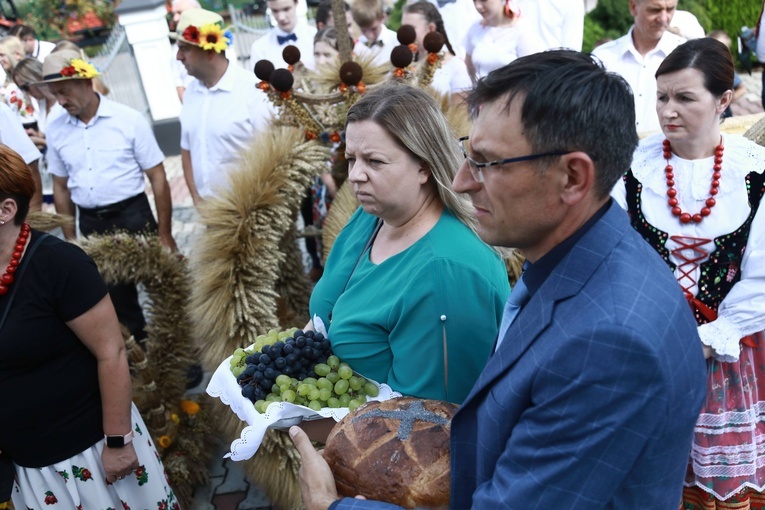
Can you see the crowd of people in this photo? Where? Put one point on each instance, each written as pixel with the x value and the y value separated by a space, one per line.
pixel 620 371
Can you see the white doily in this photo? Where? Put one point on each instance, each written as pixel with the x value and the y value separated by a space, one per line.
pixel 223 385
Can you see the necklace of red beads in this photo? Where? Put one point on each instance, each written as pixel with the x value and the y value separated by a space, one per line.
pixel 7 279
pixel 686 217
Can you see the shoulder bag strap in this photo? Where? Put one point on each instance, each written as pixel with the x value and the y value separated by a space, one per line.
pixel 17 279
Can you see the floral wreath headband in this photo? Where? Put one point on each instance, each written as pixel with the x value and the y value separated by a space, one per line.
pixel 208 37
pixel 77 68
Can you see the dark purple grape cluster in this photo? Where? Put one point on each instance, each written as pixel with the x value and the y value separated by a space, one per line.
pixel 295 357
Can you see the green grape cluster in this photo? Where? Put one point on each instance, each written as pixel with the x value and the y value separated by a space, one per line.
pixel 239 359
pixel 335 386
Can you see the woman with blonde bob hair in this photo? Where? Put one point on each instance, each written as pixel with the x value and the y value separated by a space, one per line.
pixel 61 351
pixel 11 53
pixel 410 295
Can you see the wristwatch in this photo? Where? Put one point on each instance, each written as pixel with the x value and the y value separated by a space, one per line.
pixel 119 441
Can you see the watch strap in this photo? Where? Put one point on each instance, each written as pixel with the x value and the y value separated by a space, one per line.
pixel 118 441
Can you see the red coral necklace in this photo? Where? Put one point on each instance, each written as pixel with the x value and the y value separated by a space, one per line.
pixel 7 279
pixel 669 174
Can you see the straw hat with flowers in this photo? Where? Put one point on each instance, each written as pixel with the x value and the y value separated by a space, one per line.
pixel 67 65
pixel 203 29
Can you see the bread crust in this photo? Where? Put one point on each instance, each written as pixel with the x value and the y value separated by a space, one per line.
pixel 395 451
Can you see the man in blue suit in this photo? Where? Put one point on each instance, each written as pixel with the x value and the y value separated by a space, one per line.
pixel 590 398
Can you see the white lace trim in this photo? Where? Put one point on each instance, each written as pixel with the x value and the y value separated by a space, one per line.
pixel 740 157
pixel 723 497
pixel 723 337
pixel 750 416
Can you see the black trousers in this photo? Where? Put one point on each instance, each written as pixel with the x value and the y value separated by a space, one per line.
pixel 134 216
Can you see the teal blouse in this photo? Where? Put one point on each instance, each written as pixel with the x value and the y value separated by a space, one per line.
pixel 424 320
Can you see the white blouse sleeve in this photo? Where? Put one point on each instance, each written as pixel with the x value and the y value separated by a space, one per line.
pixel 742 312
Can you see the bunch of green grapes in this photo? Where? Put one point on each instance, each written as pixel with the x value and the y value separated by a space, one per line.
pixel 336 386
pixel 239 359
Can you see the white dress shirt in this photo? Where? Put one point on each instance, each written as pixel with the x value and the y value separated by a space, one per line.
pixel 452 77
pixel 220 122
pixel 13 135
pixel 741 312
pixel 380 54
pixel 268 47
pixel 621 57
pixel 104 159
pixel 42 50
pixel 493 47
pixel 558 23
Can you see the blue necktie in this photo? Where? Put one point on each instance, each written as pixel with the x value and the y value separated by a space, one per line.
pixel 281 39
pixel 518 297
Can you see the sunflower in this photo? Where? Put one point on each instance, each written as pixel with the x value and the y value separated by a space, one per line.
pixel 212 37
pixel 83 69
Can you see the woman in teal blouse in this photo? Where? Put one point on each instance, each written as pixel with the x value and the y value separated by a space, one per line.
pixel 410 296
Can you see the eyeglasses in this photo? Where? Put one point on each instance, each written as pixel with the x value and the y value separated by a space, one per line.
pixel 476 167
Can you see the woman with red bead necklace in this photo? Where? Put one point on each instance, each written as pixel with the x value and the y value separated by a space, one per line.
pixel 70 436
pixel 695 195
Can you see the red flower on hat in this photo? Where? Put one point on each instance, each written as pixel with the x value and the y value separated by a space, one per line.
pixel 191 34
pixel 68 71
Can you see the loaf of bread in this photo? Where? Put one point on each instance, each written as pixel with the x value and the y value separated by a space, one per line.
pixel 395 451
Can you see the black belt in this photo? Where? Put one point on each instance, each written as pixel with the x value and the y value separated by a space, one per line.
pixel 112 210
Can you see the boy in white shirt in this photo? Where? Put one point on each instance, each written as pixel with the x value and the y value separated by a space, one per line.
pixel 289 30
pixel 376 40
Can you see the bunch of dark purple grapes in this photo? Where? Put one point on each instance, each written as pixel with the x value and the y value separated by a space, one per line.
pixel 295 357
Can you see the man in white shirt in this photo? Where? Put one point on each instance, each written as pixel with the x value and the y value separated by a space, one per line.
pixel 100 155
pixel 33 47
pixel 289 30
pixel 222 108
pixel 558 23
pixel 376 40
pixel 638 55
pixel 13 135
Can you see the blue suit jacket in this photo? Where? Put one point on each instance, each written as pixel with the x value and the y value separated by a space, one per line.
pixel 591 399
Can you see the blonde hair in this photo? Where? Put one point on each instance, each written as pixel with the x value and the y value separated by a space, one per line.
pixel 413 118
pixel 366 12
pixel 12 46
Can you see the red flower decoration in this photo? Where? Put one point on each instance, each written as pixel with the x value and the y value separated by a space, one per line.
pixel 50 498
pixel 432 58
pixel 335 137
pixel 310 135
pixel 191 34
pixel 86 474
pixel 68 71
pixel 360 87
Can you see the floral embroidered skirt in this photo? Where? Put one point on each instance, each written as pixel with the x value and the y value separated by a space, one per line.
pixel 728 453
pixel 80 481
